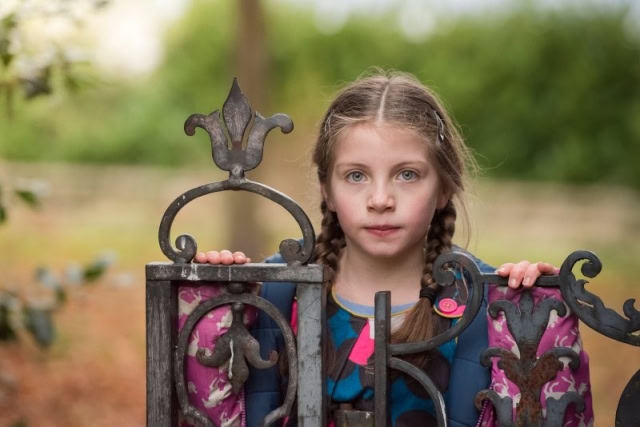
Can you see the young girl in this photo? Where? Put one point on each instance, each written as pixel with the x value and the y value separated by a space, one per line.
pixel 392 167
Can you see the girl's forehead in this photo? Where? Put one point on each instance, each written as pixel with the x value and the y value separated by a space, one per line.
pixel 373 140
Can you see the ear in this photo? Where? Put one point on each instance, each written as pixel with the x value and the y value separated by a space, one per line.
pixel 326 197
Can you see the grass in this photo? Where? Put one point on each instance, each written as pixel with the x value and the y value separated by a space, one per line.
pixel 95 375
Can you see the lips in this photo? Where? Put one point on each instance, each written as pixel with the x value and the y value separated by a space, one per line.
pixel 382 230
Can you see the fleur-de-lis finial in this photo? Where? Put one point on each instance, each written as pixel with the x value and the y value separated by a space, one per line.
pixel 237 115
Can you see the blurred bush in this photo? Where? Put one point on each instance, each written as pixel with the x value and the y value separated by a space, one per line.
pixel 540 94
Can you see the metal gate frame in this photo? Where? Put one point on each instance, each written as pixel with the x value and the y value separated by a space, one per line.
pixel 166 348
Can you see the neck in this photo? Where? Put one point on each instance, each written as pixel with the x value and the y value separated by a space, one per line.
pixel 360 277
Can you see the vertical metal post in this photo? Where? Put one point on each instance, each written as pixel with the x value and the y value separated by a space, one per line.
pixel 162 326
pixel 381 358
pixel 312 395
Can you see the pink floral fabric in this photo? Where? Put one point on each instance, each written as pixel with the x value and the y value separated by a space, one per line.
pixel 209 389
pixel 560 332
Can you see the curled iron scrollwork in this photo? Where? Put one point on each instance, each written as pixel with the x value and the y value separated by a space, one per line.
pixel 527 370
pixel 236 345
pixel 445 276
pixel 589 308
pixel 236 119
pixel 527 323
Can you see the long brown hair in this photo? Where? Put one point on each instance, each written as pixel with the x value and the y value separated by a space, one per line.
pixel 398 99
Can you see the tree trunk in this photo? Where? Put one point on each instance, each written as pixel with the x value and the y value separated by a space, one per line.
pixel 251 70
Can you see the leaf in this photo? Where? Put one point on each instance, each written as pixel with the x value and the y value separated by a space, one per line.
pixel 29 197
pixel 47 278
pixel 61 296
pixel 94 271
pixel 7 333
pixel 5 56
pixel 3 210
pixel 97 268
pixel 71 82
pixel 39 322
pixel 39 84
pixel 74 274
pixel 99 4
pixel 7 24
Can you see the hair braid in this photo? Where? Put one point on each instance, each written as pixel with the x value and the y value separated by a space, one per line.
pixel 330 240
pixel 439 238
pixel 438 241
pixel 327 251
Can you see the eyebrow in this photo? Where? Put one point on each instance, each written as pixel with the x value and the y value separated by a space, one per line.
pixel 349 165
pixel 414 163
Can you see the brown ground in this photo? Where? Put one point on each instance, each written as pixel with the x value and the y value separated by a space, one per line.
pixel 95 373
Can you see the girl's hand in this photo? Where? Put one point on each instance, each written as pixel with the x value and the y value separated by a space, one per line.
pixel 223 257
pixel 525 273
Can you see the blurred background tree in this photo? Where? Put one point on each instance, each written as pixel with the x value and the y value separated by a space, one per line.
pixel 544 94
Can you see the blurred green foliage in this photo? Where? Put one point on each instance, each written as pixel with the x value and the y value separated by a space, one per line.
pixel 35 316
pixel 539 94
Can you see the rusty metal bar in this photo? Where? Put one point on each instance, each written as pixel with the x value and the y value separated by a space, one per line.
pixel 382 338
pixel 162 408
pixel 311 273
pixel 312 393
pixel 351 418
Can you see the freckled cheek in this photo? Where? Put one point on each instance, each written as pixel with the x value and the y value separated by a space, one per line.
pixel 420 212
pixel 348 213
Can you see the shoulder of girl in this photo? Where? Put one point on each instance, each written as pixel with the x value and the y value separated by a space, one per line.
pixel 482 266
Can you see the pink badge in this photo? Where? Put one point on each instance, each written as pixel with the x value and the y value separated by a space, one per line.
pixel 450 307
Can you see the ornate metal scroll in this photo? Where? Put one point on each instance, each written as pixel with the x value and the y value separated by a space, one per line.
pixel 530 373
pixel 237 348
pixel 385 351
pixel 589 308
pixel 527 324
pixel 236 118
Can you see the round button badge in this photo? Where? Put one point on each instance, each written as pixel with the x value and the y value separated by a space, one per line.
pixel 447 305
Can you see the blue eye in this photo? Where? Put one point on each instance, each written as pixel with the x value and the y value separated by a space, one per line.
pixel 355 176
pixel 408 175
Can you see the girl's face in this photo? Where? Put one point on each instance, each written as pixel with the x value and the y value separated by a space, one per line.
pixel 384 189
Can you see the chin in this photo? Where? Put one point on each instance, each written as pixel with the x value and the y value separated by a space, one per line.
pixel 386 253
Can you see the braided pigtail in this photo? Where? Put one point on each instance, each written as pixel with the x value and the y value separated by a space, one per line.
pixel 421 322
pixel 439 241
pixel 329 245
pixel 330 241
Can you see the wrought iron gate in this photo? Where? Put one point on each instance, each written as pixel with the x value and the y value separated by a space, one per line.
pixel 166 348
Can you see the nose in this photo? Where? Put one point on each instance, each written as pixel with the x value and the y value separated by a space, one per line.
pixel 381 198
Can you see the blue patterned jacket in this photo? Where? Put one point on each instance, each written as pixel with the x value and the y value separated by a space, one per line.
pixel 263 390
